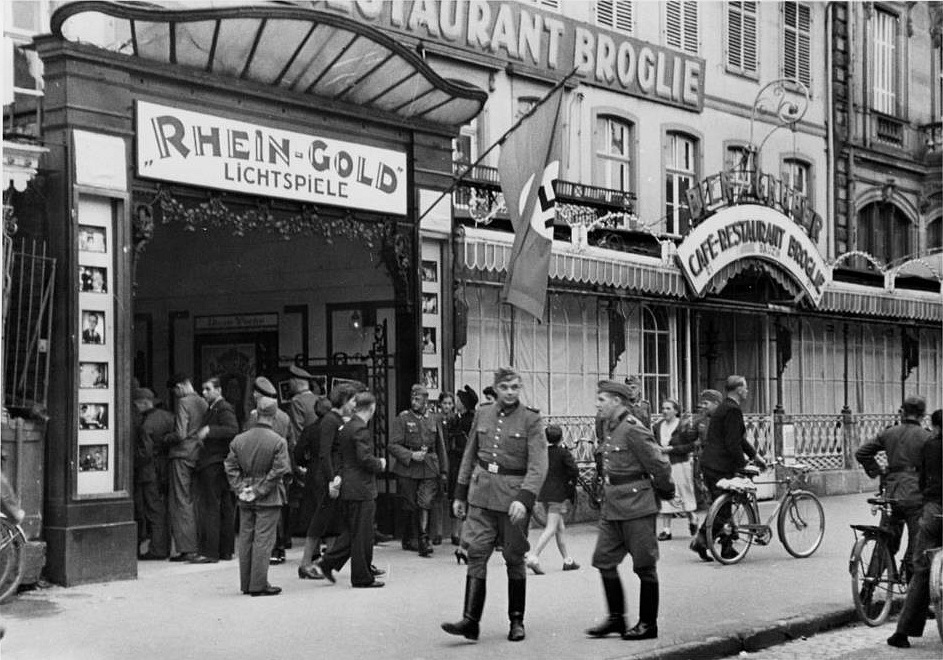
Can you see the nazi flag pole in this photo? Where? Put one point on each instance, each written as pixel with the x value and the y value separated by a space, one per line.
pixel 498 142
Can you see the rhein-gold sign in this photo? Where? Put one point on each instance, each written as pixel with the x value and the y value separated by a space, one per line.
pixel 214 152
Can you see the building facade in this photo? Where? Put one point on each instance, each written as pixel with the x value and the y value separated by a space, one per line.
pixel 746 187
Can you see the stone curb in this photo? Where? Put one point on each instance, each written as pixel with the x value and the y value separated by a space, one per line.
pixel 752 640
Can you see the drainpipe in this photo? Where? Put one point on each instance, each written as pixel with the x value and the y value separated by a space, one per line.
pixel 829 136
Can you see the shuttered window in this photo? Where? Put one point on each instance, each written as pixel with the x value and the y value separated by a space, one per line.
pixel 741 37
pixel 883 30
pixel 615 14
pixel 797 42
pixel 681 26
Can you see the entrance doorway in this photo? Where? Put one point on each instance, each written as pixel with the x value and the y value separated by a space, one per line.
pixel 236 359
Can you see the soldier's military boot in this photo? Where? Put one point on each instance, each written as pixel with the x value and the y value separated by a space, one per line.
pixel 647 626
pixel 615 600
pixel 517 596
pixel 471 614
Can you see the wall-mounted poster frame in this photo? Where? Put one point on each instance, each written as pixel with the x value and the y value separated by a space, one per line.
pixel 430 338
pixel 98 418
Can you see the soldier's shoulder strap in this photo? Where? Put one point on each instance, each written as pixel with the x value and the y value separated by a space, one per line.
pixel 532 409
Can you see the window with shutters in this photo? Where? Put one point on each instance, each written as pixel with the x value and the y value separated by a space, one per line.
pixel 883 232
pixel 615 14
pixel 797 174
pixel 680 174
pixel 547 4
pixel 883 62
pixel 681 26
pixel 741 37
pixel 797 42
pixel 613 162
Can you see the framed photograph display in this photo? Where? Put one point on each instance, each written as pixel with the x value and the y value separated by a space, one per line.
pixel 96 423
pixel 431 336
pixel 93 326
pixel 430 303
pixel 430 271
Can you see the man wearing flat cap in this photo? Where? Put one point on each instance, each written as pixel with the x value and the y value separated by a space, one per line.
pixel 183 453
pixel 417 442
pixel 150 474
pixel 281 424
pixel 632 468
pixel 256 466
pixel 503 469
pixel 903 446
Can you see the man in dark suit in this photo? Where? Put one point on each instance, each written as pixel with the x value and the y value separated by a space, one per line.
pixel 150 473
pixel 255 466
pixel 216 511
pixel 358 493
pixel 91 334
pixel 725 451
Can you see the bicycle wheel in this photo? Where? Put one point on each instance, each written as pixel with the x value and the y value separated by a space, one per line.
pixel 871 566
pixel 11 558
pixel 801 524
pixel 936 589
pixel 727 537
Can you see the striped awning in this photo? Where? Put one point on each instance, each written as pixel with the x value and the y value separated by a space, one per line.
pixel 909 305
pixel 486 251
pixel 490 251
pixel 293 48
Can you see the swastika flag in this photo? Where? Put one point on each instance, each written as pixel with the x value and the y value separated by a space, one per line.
pixel 529 164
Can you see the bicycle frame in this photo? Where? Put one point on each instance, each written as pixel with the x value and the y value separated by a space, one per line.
pixel 762 532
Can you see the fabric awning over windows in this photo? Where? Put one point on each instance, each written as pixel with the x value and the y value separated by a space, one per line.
pixel 290 47
pixel 490 251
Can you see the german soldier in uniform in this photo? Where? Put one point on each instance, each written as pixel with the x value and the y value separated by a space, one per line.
pixel 640 409
pixel 502 471
pixel 632 468
pixel 418 444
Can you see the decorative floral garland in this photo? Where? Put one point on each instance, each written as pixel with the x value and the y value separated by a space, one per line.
pixel 215 214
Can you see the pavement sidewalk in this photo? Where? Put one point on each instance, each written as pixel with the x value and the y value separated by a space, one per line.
pixel 183 611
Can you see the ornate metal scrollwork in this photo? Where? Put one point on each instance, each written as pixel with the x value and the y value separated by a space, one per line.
pixel 785 98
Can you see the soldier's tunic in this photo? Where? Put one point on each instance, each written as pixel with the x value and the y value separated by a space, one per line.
pixel 641 410
pixel 505 460
pixel 418 480
pixel 629 461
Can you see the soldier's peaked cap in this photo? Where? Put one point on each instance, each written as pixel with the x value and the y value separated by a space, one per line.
pixel 298 372
pixel 613 387
pixel 264 386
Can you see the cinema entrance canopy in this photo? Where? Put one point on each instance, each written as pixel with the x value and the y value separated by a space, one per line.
pixel 185 270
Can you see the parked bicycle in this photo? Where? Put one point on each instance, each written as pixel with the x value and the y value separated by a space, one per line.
pixel 12 544
pixel 936 587
pixel 875 576
pixel 733 521
pixel 588 481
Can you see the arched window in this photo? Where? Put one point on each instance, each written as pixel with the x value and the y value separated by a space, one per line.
pixel 680 174
pixel 656 361
pixel 935 234
pixel 614 153
pixel 884 231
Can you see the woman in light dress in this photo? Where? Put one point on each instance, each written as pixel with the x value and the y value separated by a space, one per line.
pixel 677 438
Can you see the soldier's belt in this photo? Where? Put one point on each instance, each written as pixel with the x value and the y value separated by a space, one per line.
pixel 494 468
pixel 622 479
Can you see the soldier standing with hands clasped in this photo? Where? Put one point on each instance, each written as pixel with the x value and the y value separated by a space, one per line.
pixel 503 468
pixel 633 468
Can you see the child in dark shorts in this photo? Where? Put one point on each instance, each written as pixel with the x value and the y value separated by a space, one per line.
pixel 557 496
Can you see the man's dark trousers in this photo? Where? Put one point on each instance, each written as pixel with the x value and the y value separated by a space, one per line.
pixel 216 530
pixel 355 542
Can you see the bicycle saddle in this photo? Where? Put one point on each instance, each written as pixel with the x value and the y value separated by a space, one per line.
pixel 749 471
pixel 881 501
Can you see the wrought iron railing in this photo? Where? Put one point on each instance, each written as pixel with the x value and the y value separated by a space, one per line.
pixel 28 286
pixel 825 442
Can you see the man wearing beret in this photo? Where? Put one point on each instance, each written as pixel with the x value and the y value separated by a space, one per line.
pixel 724 450
pixel 255 466
pixel 632 468
pixel 503 469
pixel 183 452
pixel 417 443
pixel 281 424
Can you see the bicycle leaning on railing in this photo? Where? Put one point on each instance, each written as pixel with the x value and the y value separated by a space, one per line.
pixel 733 521
pixel 12 544
pixel 875 576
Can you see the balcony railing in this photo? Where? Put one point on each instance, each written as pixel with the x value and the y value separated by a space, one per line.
pixel 894 135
